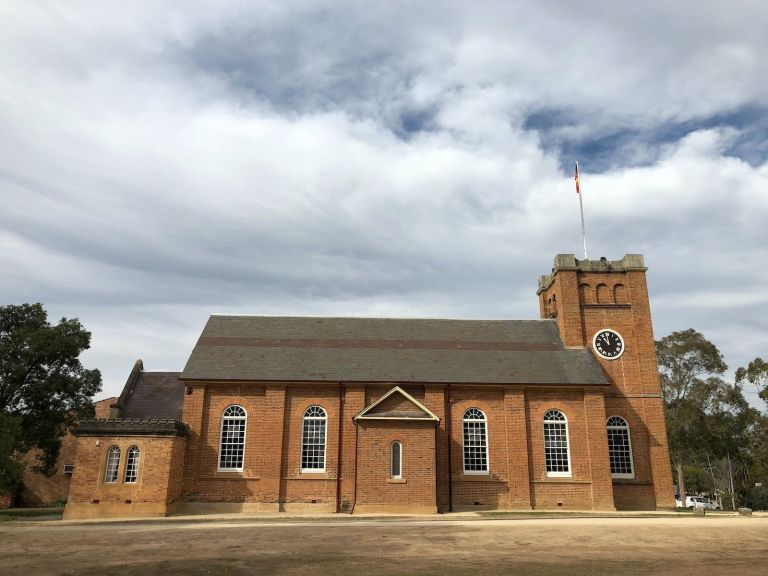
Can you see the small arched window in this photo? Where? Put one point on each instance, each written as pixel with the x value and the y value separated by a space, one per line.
pixel 620 448
pixel 396 461
pixel 113 463
pixel 132 465
pixel 603 294
pixel 313 440
pixel 556 455
pixel 620 294
pixel 586 294
pixel 475 427
pixel 232 443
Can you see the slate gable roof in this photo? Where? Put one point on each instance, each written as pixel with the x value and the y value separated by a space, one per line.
pixel 151 395
pixel 267 348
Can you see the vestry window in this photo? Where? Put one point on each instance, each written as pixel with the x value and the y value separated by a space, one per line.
pixel 132 465
pixel 113 463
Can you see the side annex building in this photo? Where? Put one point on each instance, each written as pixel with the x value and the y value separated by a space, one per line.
pixel 356 415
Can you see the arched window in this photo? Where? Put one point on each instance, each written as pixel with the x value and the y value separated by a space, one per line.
pixel 232 443
pixel 586 294
pixel 132 465
pixel 475 442
pixel 556 455
pixel 313 440
pixel 396 461
pixel 620 294
pixel 620 448
pixel 113 463
pixel 603 294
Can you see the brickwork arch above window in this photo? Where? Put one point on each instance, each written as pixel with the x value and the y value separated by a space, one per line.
pixel 555 416
pixel 234 411
pixel 315 412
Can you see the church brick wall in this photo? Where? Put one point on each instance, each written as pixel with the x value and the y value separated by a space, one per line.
pixel 517 476
pixel 152 493
pixel 376 490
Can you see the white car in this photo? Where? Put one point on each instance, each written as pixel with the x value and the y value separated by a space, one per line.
pixel 696 502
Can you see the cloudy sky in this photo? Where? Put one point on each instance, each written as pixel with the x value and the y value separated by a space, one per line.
pixel 163 161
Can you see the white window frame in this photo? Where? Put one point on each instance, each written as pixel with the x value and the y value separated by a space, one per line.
pixel 304 422
pixel 392 474
pixel 111 475
pixel 625 426
pixel 564 422
pixel 225 417
pixel 484 422
pixel 132 464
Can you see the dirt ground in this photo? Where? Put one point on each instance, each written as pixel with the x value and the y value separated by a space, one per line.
pixel 484 547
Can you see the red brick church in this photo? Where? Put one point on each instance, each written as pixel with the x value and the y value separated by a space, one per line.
pixel 397 415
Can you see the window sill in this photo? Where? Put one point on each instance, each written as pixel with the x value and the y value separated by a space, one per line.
pixel 397 481
pixel 479 478
pixel 229 476
pixel 561 480
pixel 635 481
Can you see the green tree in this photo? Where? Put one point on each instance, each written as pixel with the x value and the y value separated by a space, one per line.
pixel 756 373
pixel 697 479
pixel 10 467
pixel 44 388
pixel 690 367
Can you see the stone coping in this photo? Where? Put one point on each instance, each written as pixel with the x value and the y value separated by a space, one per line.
pixel 131 427
pixel 628 263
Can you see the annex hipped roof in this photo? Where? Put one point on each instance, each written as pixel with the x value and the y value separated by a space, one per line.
pixel 267 348
pixel 151 394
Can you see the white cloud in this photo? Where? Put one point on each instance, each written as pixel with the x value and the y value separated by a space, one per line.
pixel 170 163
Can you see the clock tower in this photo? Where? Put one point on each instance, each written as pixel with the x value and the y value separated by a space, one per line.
pixel 602 305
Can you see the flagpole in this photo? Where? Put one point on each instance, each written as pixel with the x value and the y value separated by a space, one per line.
pixel 581 209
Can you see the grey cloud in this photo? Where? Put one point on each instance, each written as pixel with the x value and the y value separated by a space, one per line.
pixel 376 160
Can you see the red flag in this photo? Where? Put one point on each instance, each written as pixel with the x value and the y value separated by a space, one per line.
pixel 576 177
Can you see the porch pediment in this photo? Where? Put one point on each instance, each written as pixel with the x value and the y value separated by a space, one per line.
pixel 396 404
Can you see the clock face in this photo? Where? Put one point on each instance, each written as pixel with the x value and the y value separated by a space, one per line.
pixel 608 344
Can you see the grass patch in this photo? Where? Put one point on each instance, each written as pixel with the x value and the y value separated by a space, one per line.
pixel 16 513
